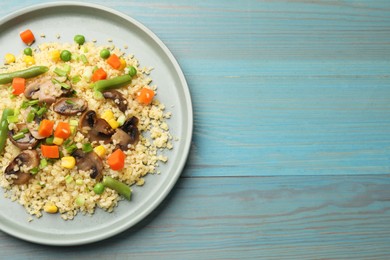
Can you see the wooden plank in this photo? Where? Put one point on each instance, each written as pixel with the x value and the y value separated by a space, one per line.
pixel 256 217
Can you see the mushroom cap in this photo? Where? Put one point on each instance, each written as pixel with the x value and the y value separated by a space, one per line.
pixel 117 98
pixel 89 162
pixel 28 141
pixel 29 159
pixel 70 106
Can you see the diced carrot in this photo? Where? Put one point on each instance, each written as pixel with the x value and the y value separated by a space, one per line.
pixel 19 85
pixel 99 74
pixel 27 37
pixel 62 130
pixel 50 151
pixel 145 96
pixel 114 61
pixel 46 128
pixel 116 160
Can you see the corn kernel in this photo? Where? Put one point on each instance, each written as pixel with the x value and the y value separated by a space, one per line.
pixel 123 64
pixel 100 150
pixel 107 115
pixel 58 140
pixel 29 60
pixel 68 162
pixel 113 123
pixel 55 55
pixel 50 208
pixel 9 58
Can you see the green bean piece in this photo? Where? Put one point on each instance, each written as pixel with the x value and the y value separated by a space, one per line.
pixel 114 83
pixel 79 39
pixel 31 72
pixel 4 127
pixel 120 187
pixel 28 51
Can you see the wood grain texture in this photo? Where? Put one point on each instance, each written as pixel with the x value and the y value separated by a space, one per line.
pixel 291 149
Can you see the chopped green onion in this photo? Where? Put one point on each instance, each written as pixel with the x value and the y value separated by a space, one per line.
pixel 12 96
pixel 41 111
pixel 75 56
pixel 85 49
pixel 75 79
pixel 27 104
pixel 70 149
pixel 87 147
pixel 79 182
pixel 73 129
pixel 66 68
pixel 42 184
pixel 18 136
pixel 16 111
pixel 70 102
pixel 60 72
pixel 68 179
pixel 67 141
pixel 30 117
pixel 84 58
pixel 34 170
pixel 42 163
pixel 24 130
pixel 74 122
pixel 121 120
pixel 98 94
pixel 80 200
pixel 49 140
pixel 64 85
pixel 12 119
pixel 95 69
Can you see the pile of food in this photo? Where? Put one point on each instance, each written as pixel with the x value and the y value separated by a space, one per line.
pixel 79 125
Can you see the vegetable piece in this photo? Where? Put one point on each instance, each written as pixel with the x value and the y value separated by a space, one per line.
pixel 27 37
pixel 29 60
pixel 65 55
pixel 4 127
pixel 79 39
pixel 118 99
pixel 68 162
pixel 62 130
pixel 132 71
pixel 58 140
pixel 28 51
pixel 113 123
pixel 76 79
pixel 114 61
pixel 118 186
pixel 46 128
pixel 9 58
pixel 50 208
pixel 98 188
pixel 70 106
pixel 145 96
pixel 100 151
pixel 18 136
pixel 27 73
pixel 107 115
pixel 42 163
pixel 116 160
pixel 80 201
pixel 84 58
pixel 114 83
pixel 99 74
pixel 87 147
pixel 123 64
pixel 50 151
pixel 60 72
pixel 104 54
pixel 19 85
pixel 29 159
pixel 55 55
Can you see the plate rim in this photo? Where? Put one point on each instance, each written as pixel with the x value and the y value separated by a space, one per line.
pixel 186 146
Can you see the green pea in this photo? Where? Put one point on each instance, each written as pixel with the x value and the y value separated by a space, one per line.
pixel 98 188
pixel 79 39
pixel 65 55
pixel 105 53
pixel 28 51
pixel 132 71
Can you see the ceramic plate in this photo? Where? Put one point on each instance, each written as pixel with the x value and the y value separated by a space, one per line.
pixel 100 23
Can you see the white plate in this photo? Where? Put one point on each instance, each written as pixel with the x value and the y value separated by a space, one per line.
pixel 97 22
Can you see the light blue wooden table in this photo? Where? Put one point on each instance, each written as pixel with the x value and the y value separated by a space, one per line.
pixel 290 156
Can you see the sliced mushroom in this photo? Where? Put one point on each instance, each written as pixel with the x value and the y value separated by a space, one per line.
pixel 43 89
pixel 117 98
pixel 21 165
pixel 33 126
pixel 127 134
pixel 27 142
pixel 95 129
pixel 89 162
pixel 70 106
pixel 122 139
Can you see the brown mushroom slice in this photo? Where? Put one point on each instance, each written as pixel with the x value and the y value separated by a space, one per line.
pixel 89 162
pixel 70 106
pixel 122 139
pixel 27 142
pixel 21 165
pixel 42 89
pixel 117 98
pixel 130 127
pixel 33 126
pixel 95 129
pixel 87 121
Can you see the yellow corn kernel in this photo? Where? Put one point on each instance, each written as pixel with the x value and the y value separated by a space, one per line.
pixel 113 123
pixel 50 208
pixel 107 115
pixel 100 150
pixel 29 60
pixel 68 162
pixel 55 55
pixel 58 140
pixel 123 64
pixel 9 58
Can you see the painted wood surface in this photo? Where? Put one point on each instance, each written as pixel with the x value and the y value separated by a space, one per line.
pixel 291 149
